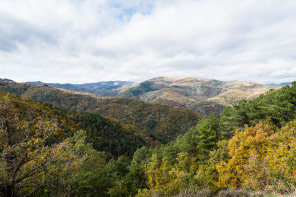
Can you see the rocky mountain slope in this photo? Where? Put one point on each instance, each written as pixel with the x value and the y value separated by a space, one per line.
pixel 201 95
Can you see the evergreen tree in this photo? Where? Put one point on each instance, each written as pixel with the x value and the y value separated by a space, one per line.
pixel 208 133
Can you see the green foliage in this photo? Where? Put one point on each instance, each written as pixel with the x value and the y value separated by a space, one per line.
pixel 41 148
pixel 207 135
pixel 161 121
pixel 151 118
pixel 259 155
pixel 144 87
pixel 105 134
pixel 92 177
pixel 31 167
pixel 279 106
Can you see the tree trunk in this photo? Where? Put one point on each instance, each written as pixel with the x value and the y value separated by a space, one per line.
pixel 9 191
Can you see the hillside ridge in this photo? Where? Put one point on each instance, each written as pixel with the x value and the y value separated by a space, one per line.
pixel 201 95
pixel 161 122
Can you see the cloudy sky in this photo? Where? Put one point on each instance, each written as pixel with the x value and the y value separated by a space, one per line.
pixel 78 41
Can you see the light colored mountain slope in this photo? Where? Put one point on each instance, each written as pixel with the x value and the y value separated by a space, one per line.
pixel 201 95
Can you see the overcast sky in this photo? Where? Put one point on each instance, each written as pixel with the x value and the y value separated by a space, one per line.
pixel 78 41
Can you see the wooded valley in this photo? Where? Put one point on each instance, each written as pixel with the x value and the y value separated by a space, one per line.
pixel 150 150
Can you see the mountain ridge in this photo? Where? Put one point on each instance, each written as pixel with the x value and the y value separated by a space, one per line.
pixel 103 88
pixel 103 133
pixel 162 122
pixel 201 95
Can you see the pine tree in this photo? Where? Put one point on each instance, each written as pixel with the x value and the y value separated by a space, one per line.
pixel 207 135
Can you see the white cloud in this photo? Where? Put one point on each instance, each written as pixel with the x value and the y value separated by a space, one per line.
pixel 80 41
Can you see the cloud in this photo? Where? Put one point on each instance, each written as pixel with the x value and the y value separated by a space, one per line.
pixel 80 41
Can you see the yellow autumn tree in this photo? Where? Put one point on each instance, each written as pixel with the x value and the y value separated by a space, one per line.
pixel 248 150
pixel 282 156
pixel 159 176
pixel 29 159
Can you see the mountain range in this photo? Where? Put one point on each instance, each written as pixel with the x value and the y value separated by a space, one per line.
pixel 201 95
pixel 114 146
pixel 162 107
pixel 104 88
pixel 161 122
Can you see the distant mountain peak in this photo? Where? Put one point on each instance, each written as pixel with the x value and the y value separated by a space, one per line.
pixel 5 79
pixel 172 79
pixel 104 88
pixel 199 94
pixel 280 84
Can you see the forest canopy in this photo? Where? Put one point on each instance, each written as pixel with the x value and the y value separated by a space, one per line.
pixel 48 151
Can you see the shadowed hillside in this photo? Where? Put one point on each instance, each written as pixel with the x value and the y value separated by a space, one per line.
pixel 104 88
pixel 105 134
pixel 161 122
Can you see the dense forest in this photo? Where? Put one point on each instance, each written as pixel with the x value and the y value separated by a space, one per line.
pixel 48 151
pixel 163 123
pixel 106 134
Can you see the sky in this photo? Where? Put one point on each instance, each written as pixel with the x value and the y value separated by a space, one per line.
pixel 80 41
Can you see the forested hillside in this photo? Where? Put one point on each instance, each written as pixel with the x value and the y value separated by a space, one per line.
pixel 161 122
pixel 147 98
pixel 106 134
pixel 249 147
pixel 49 151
